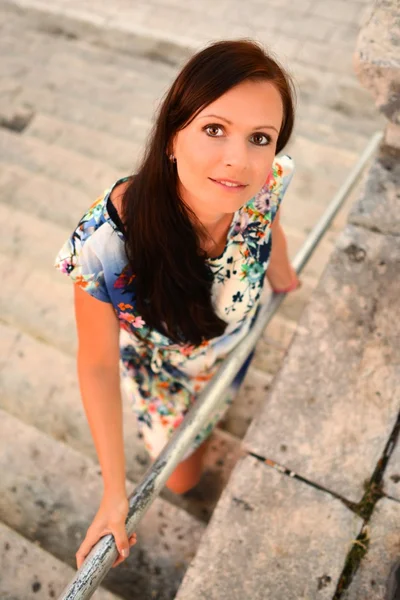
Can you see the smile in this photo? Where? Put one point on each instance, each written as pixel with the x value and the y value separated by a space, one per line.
pixel 228 185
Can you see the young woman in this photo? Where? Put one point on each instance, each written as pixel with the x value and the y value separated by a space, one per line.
pixel 169 263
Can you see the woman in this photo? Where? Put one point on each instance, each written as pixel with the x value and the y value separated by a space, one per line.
pixel 174 260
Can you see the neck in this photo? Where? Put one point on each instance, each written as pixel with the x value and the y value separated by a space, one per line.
pixel 213 223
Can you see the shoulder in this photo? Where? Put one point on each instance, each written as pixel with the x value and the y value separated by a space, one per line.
pixel 117 193
pixel 265 203
pixel 282 170
pixel 92 231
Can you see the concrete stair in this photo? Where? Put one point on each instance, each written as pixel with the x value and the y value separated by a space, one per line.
pixel 29 571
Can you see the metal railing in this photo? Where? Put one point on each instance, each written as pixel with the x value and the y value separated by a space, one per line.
pixel 104 553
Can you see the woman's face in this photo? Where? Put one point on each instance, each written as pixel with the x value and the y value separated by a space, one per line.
pixel 232 140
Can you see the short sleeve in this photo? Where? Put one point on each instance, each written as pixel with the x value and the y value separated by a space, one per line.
pixel 267 201
pixel 282 173
pixel 78 259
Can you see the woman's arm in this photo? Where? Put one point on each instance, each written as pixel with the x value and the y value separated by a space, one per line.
pixel 280 273
pixel 99 382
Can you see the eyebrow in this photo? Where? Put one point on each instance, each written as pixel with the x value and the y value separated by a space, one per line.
pixel 230 122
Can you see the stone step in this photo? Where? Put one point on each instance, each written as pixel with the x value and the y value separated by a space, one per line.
pixel 38 304
pixel 371 579
pixel 130 126
pixel 333 131
pixel 251 394
pixel 140 97
pixel 45 199
pixel 344 103
pixel 29 572
pixel 121 29
pixel 345 354
pixel 55 162
pixel 88 60
pixel 50 494
pixel 39 386
pixel 120 154
pixel 271 536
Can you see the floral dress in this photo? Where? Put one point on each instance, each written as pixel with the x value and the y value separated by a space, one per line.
pixel 162 378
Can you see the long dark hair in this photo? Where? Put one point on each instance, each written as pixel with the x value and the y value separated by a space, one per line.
pixel 172 280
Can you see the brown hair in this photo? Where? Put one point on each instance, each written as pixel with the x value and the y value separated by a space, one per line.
pixel 172 281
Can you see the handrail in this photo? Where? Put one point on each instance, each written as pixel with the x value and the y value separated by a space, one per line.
pixel 103 555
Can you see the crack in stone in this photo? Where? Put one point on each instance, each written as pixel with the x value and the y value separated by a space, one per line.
pixel 285 471
pixel 365 508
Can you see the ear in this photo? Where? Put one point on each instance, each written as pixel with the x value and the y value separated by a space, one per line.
pixel 172 145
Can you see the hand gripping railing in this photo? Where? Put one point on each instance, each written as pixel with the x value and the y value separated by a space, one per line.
pixel 104 553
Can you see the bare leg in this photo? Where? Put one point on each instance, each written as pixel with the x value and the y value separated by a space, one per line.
pixel 187 474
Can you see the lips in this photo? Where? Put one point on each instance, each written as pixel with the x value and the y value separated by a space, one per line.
pixel 229 184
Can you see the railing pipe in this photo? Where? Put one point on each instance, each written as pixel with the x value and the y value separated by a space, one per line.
pixel 104 553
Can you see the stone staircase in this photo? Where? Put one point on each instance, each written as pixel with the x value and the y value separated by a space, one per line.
pixel 73 119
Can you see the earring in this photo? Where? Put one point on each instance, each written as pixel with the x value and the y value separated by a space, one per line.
pixel 172 157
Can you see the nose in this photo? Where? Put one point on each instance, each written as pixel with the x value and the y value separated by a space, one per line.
pixel 236 154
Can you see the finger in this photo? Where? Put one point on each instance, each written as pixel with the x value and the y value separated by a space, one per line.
pixel 121 541
pixel 91 539
pixel 132 540
pixel 85 548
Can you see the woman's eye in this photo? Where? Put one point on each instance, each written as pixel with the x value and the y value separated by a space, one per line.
pixel 211 129
pixel 261 139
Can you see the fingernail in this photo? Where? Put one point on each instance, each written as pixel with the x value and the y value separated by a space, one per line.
pixel 125 553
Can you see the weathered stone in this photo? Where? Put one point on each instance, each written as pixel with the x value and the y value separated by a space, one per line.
pixel 29 572
pixel 64 165
pixel 370 580
pixel 391 479
pixel 317 263
pixel 131 127
pixel 334 403
pixel 279 332
pixel 377 58
pixel 377 207
pixel 246 404
pixel 25 200
pixel 392 135
pixel 50 494
pixel 30 240
pixel 39 385
pixel 95 144
pixel 46 317
pixel 270 537
pixel 267 357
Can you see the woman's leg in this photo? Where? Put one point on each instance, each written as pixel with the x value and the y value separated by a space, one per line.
pixel 187 474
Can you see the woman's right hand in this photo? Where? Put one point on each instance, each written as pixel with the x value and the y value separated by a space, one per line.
pixel 110 518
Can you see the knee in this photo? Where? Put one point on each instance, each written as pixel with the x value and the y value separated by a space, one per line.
pixel 179 486
pixel 187 474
